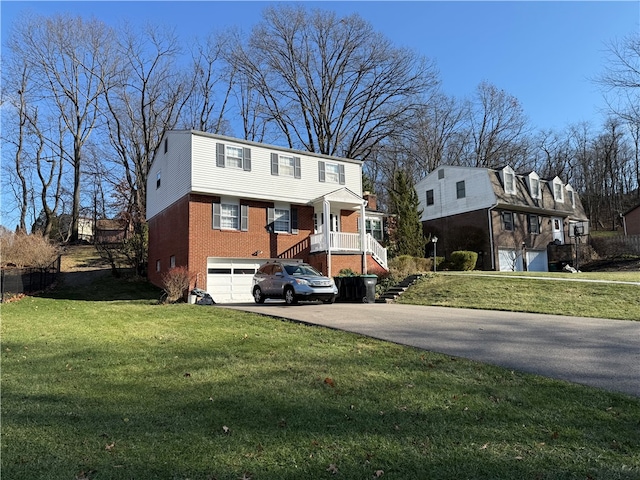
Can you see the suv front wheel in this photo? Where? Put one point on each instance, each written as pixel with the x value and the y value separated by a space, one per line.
pixel 257 295
pixel 289 296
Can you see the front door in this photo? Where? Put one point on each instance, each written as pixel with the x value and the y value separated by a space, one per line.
pixel 558 230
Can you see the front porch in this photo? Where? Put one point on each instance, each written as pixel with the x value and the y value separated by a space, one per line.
pixel 342 242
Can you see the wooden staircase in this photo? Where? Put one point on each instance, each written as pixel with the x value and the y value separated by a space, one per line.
pixel 394 292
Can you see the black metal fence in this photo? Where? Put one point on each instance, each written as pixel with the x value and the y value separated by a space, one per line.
pixel 14 281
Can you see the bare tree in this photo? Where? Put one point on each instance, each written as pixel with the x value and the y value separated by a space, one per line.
pixel 621 79
pixel 211 74
pixel 497 127
pixel 145 102
pixel 331 85
pixel 70 61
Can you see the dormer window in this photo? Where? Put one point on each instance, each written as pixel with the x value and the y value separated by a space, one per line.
pixel 571 196
pixel 534 185
pixel 558 190
pixel 509 180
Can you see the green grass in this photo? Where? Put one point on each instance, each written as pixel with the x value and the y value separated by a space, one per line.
pixel 103 383
pixel 504 292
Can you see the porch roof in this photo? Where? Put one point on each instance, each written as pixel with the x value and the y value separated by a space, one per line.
pixel 343 198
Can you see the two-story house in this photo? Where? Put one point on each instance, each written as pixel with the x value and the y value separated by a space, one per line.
pixel 514 221
pixel 222 207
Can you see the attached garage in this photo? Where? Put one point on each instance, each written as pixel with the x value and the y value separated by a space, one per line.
pixel 510 260
pixel 537 261
pixel 229 280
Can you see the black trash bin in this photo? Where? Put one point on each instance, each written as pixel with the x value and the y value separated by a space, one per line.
pixel 369 288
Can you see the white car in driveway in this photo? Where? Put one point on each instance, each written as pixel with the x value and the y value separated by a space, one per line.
pixel 292 281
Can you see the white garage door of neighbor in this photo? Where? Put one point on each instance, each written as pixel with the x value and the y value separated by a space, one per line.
pixel 229 279
pixel 510 260
pixel 537 261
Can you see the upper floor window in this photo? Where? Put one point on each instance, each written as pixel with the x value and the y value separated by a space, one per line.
pixel 233 156
pixel 430 200
pixel 571 196
pixel 509 182
pixel 558 190
pixel 229 215
pixel 460 189
pixel 166 145
pixel 285 165
pixel 158 178
pixel 507 221
pixel 331 172
pixel 172 261
pixel 440 174
pixel 535 188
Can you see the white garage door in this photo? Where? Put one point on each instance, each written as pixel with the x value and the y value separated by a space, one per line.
pixel 509 260
pixel 229 279
pixel 537 261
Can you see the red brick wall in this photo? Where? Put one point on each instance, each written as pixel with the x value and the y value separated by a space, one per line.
pixel 185 230
pixel 168 235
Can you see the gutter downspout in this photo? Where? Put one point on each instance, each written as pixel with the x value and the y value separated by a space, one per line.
pixel 493 257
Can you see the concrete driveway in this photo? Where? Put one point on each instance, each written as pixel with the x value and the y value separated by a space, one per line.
pixel 596 352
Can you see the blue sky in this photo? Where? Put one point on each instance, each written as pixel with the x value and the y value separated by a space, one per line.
pixel 544 53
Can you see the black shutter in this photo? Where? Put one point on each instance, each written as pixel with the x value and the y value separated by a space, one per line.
pixel 220 155
pixel 294 220
pixel 246 159
pixel 296 167
pixel 274 164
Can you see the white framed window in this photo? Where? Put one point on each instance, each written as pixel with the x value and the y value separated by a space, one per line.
pixel 509 184
pixel 461 190
pixel 233 156
pixel 172 261
pixel 331 172
pixel 571 196
pixel 558 190
pixel 374 227
pixel 281 220
pixel 285 165
pixel 229 216
pixel 535 188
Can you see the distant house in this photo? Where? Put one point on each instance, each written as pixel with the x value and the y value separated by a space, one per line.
pixel 223 206
pixel 111 231
pixel 631 221
pixel 513 221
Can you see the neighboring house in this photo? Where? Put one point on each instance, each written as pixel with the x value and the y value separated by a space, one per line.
pixel 222 206
pixel 513 221
pixel 631 221
pixel 85 229
pixel 111 230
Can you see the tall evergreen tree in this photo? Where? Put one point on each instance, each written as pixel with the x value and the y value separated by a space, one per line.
pixel 409 237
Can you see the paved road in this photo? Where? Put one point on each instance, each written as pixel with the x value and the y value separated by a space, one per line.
pixel 596 352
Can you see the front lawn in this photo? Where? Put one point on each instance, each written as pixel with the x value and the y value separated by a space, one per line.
pixel 113 387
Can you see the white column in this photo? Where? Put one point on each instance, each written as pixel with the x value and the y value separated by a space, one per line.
pixel 363 237
pixel 326 231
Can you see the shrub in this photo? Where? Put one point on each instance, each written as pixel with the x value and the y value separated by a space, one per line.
pixel 28 251
pixel 176 282
pixel 404 265
pixel 463 260
pixel 347 272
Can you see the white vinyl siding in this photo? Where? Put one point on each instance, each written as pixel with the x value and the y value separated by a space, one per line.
pixel 479 191
pixel 190 166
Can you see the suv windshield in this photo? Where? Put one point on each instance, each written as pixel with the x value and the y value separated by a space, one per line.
pixel 301 270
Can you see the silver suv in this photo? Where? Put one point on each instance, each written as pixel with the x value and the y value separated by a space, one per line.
pixel 292 281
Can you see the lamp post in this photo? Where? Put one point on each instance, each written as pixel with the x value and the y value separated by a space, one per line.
pixel 434 240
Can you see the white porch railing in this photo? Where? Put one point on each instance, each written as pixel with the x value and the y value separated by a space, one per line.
pixel 349 242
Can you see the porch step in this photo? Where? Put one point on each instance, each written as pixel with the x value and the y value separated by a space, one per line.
pixel 394 292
